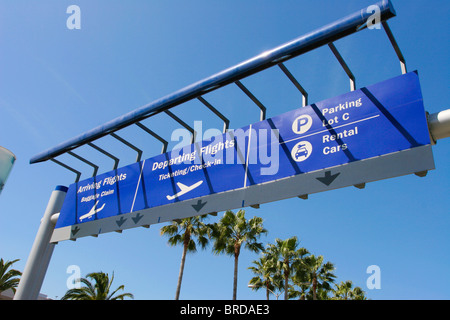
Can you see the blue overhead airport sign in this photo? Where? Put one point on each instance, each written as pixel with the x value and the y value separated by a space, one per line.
pixel 369 134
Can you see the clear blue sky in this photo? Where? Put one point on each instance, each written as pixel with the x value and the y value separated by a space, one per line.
pixel 56 83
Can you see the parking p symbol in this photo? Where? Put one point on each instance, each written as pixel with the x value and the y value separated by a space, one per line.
pixel 302 124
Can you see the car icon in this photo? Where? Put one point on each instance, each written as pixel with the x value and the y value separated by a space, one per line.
pixel 301 152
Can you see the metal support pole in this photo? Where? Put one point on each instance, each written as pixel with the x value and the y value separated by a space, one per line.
pixel 125 142
pixel 42 270
pixel 78 173
pixel 85 161
pixel 41 251
pixel 254 99
pixel 153 134
pixel 344 66
pixel 296 84
pixel 184 124
pixel 439 125
pixel 106 153
pixel 226 122
pixel 394 43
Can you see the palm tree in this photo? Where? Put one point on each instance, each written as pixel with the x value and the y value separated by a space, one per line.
pixel 100 290
pixel 300 280
pixel 345 291
pixel 8 278
pixel 232 232
pixel 267 275
pixel 184 232
pixel 319 273
pixel 288 256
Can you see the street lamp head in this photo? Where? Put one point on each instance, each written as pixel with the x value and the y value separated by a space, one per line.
pixel 7 159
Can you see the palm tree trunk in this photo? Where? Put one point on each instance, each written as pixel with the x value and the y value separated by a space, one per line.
pixel 235 277
pixel 286 284
pixel 237 250
pixel 180 275
pixel 314 287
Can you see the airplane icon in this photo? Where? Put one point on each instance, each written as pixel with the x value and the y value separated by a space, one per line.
pixel 184 189
pixel 93 211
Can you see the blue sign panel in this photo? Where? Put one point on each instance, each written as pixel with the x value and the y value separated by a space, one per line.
pixel 381 119
pixel 118 191
pixel 195 171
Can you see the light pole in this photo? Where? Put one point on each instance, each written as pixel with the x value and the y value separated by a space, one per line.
pixel 254 286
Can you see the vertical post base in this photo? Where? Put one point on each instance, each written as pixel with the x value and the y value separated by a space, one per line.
pixel 41 251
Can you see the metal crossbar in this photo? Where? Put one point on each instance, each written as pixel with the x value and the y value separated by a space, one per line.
pixel 326 35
